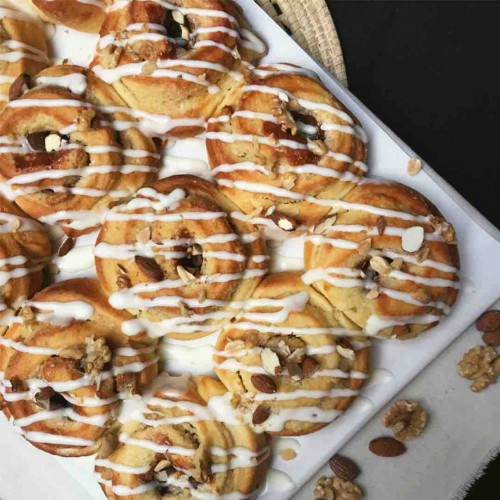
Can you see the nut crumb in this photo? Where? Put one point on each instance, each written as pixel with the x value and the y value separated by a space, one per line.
pixel 288 454
pixel 407 419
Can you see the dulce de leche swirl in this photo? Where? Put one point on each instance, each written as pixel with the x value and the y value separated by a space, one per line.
pixel 179 257
pixel 65 365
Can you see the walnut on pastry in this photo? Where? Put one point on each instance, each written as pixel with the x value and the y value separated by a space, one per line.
pixel 65 365
pixel 176 59
pixel 80 15
pixel 389 262
pixel 293 361
pixel 281 142
pixel 61 157
pixel 187 443
pixel 179 257
pixel 23 52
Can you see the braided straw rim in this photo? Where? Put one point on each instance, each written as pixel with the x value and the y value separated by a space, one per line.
pixel 310 23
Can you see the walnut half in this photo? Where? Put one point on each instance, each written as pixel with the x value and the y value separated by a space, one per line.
pixel 407 419
pixel 334 488
pixel 482 365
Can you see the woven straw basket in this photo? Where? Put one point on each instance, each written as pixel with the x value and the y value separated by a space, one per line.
pixel 310 23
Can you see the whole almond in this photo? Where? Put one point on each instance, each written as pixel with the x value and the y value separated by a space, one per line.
pixel 19 86
pixel 381 225
pixel 66 247
pixel 309 366
pixel 261 414
pixel 387 447
pixel 264 384
pixel 344 467
pixel 149 267
pixel 492 338
pixel 489 321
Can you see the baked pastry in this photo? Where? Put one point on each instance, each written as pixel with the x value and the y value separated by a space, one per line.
pixel 177 258
pixel 60 155
pixel 388 260
pixel 80 15
pixel 288 358
pixel 65 365
pixel 24 250
pixel 176 59
pixel 185 446
pixel 281 142
pixel 24 50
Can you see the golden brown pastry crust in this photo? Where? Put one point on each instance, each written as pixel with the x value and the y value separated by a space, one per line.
pixel 142 53
pixel 422 285
pixel 193 468
pixel 78 15
pixel 71 360
pixel 281 140
pixel 24 49
pixel 103 165
pixel 175 254
pixel 322 360
pixel 24 250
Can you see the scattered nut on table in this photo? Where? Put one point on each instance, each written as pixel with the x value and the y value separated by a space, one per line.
pixel 407 419
pixel 334 488
pixel 482 365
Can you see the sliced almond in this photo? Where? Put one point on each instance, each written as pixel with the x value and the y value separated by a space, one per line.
pixel 185 34
pixel 19 86
pixel 283 96
pixel 414 166
pixel 270 361
pixel 373 293
pixel 317 147
pixel 187 277
pixel 380 265
pixel 149 68
pixel 345 349
pixel 326 224
pixel 52 143
pixel 448 232
pixel 412 239
pixel 294 370
pixel 289 180
pixel 235 346
pixel 123 282
pixel 270 211
pixel 178 16
pixel 144 235
pixel 66 246
pixel 365 246
pixel 162 464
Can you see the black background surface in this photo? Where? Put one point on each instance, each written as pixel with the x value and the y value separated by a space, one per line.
pixel 430 71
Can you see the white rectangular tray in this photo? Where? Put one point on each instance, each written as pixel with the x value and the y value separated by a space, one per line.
pixel 27 473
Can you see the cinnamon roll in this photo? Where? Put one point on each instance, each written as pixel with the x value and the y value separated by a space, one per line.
pixel 179 258
pixel 188 444
pixel 281 143
pixel 60 155
pixel 387 259
pixel 65 365
pixel 173 62
pixel 80 15
pixel 294 362
pixel 23 51
pixel 24 249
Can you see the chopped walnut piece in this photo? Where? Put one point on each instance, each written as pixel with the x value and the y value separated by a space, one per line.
pixel 407 419
pixel 482 365
pixel 334 488
pixel 448 232
pixel 422 254
pixel 97 354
